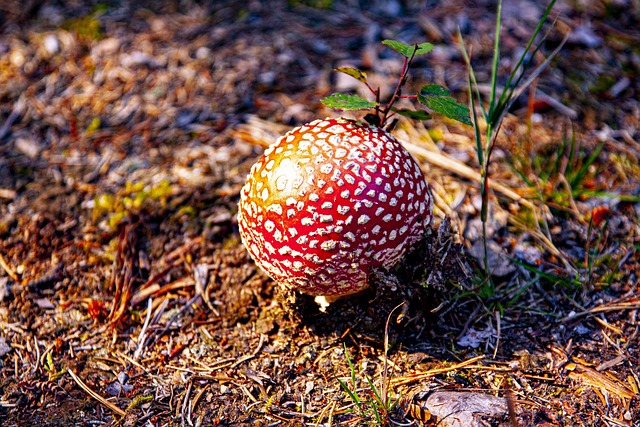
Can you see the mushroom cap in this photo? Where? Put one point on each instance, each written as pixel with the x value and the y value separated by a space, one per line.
pixel 329 202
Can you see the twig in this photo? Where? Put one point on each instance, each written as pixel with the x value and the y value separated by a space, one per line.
pixel 95 395
pixel 252 355
pixel 150 287
pixel 457 167
pixel 432 372
pixel 156 290
pixel 8 269
pixel 185 410
pixel 142 338
pixel 602 309
pixel 498 327
pixel 196 399
pixel 18 108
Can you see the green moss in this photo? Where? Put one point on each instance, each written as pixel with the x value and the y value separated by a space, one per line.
pixel 134 198
pixel 85 27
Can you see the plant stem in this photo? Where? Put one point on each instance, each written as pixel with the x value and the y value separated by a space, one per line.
pixel 398 92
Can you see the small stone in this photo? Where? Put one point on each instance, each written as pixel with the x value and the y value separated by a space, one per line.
pixel 107 46
pixel 45 303
pixel 4 347
pixel 498 262
pixel 28 146
pixel 309 387
pixel 203 52
pixel 51 44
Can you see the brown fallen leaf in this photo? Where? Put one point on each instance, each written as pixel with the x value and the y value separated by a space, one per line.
pixel 465 409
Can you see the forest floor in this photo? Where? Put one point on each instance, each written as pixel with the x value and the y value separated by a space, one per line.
pixel 127 299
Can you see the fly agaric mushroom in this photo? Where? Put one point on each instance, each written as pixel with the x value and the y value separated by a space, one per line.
pixel 329 203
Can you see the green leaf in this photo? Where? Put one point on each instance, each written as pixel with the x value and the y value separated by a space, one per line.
pixel 353 72
pixel 423 48
pixel 408 50
pixel 439 99
pixel 343 101
pixel 413 114
pixel 48 366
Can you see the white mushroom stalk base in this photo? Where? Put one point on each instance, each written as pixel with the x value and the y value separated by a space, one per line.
pixel 324 301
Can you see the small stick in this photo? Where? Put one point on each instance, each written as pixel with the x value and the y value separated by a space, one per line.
pixel 252 355
pixel 8 269
pixel 142 338
pixel 432 372
pixel 95 395
pixel 495 350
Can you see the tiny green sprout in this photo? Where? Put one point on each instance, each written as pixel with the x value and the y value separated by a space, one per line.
pixel 49 366
pixel 435 98
pixel 139 400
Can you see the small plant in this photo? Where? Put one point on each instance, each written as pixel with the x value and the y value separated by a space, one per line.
pixel 377 404
pixel 487 115
pixel 434 97
pixel 560 173
pixel 373 403
pixel 128 201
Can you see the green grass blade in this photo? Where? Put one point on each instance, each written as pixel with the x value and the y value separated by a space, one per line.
pixel 576 179
pixel 376 414
pixel 510 87
pixel 496 58
pixel 352 369
pixel 471 84
pixel 374 390
pixel 352 394
pixel 553 278
pixel 515 94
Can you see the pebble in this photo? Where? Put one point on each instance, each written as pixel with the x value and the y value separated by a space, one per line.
pixel 28 146
pixel 203 52
pixel 4 347
pixel 105 47
pixel 51 44
pixel 17 58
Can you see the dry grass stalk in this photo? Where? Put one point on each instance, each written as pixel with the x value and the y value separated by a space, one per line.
pixel 604 382
pixel 409 379
pixel 7 268
pixel 123 275
pixel 95 395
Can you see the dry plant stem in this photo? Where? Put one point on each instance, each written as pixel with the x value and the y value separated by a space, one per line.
pixel 385 370
pixel 253 354
pixel 142 337
pixel 499 330
pixel 457 167
pixel 602 309
pixel 7 268
pixel 511 404
pixel 432 372
pixel 95 395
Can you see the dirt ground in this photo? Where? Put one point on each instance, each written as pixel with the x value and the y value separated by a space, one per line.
pixel 127 299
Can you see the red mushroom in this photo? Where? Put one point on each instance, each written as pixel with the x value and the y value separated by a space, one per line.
pixel 331 201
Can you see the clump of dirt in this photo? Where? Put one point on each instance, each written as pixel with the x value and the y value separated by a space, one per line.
pixel 400 303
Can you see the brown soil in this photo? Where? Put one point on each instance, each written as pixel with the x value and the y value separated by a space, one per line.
pixel 127 299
